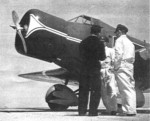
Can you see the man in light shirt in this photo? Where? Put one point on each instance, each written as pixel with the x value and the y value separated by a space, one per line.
pixel 108 83
pixel 123 66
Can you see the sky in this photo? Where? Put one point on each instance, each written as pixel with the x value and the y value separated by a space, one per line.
pixel 132 13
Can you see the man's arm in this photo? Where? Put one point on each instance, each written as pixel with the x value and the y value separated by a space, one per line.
pixel 118 54
pixel 82 48
pixel 101 51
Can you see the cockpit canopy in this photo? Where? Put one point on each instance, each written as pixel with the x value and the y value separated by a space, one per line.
pixel 82 19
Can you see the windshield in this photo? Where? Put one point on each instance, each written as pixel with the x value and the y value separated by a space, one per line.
pixel 82 19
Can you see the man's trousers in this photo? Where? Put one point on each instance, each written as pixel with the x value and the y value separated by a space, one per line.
pixel 89 82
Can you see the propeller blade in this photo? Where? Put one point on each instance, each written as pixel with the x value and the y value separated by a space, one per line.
pixel 18 28
pixel 15 17
pixel 14 27
pixel 23 41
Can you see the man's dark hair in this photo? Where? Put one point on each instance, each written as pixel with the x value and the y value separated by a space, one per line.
pixel 122 28
pixel 95 29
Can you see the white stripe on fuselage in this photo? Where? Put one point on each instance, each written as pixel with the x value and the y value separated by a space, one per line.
pixel 36 25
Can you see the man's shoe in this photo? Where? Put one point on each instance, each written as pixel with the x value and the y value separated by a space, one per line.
pixel 125 114
pixel 113 113
pixel 109 113
pixel 82 113
pixel 93 114
pixel 105 113
pixel 131 114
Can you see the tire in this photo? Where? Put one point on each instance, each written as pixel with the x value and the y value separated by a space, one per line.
pixel 54 106
pixel 57 107
pixel 140 99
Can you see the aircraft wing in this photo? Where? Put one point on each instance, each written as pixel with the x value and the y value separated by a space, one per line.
pixel 52 76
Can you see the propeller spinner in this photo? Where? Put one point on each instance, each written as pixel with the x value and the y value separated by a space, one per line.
pixel 18 29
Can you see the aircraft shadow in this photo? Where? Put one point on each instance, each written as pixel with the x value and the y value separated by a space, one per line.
pixel 11 110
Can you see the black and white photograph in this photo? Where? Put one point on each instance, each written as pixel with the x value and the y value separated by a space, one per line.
pixel 69 60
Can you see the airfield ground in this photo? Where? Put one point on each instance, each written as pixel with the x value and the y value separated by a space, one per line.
pixel 24 100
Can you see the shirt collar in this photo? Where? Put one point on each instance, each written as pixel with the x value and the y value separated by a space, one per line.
pixel 123 35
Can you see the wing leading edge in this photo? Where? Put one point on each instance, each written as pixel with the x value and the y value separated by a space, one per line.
pixel 58 76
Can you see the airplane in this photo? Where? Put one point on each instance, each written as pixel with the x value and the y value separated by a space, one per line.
pixel 49 38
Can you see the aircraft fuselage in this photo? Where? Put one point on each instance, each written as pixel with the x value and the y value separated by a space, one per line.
pixel 52 39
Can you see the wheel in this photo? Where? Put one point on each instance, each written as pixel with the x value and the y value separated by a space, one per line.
pixel 57 107
pixel 54 106
pixel 140 99
pixel 60 97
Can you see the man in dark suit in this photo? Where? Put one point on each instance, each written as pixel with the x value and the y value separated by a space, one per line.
pixel 91 50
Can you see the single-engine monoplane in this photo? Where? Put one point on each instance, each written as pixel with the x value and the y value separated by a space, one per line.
pixel 49 38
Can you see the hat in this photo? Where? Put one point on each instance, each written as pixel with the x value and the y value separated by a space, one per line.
pixel 121 28
pixel 104 38
pixel 96 29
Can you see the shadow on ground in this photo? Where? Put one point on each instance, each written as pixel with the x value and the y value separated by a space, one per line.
pixel 11 110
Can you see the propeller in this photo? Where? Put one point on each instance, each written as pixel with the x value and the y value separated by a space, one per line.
pixel 18 28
